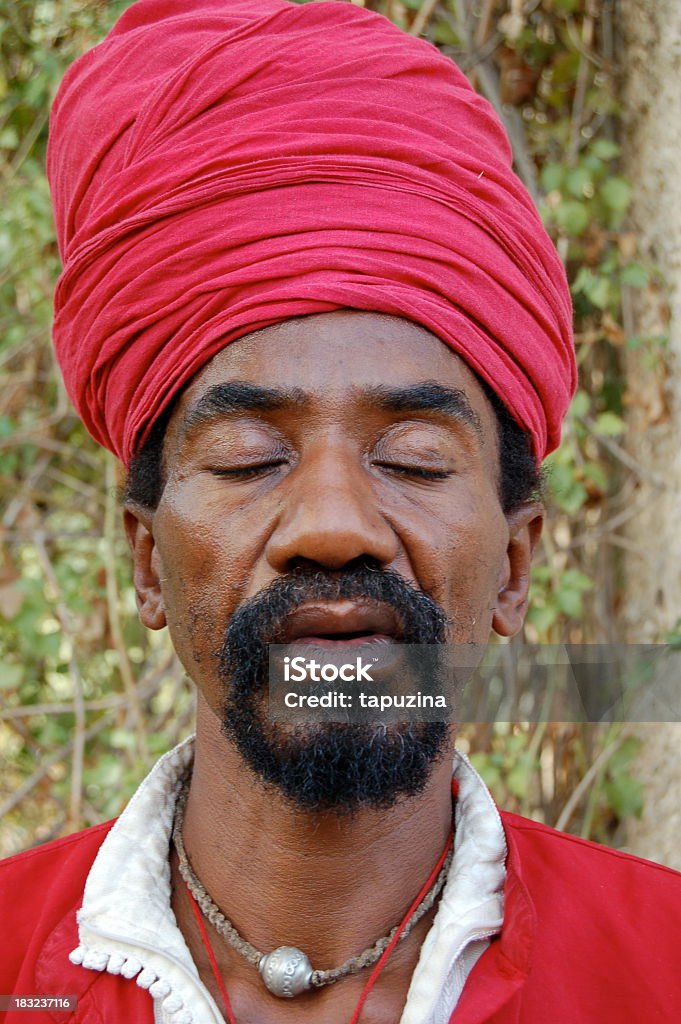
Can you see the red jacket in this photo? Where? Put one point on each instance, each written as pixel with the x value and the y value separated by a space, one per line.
pixel 589 935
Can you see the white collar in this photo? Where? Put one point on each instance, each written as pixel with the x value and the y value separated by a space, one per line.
pixel 127 927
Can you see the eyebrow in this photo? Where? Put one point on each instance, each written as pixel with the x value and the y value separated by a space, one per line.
pixel 240 397
pixel 427 396
pixel 237 397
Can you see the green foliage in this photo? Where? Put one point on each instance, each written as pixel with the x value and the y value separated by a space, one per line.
pixel 622 790
pixel 64 572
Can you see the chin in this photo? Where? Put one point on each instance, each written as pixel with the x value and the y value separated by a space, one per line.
pixel 338 768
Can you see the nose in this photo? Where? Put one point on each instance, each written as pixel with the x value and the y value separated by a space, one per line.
pixel 330 515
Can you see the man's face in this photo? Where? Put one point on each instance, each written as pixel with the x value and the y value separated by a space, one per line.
pixel 302 463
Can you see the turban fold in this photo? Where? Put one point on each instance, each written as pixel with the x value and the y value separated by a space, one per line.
pixel 218 166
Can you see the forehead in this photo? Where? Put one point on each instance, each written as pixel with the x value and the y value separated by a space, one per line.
pixel 334 358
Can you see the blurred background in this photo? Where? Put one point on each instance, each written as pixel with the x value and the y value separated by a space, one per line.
pixel 590 91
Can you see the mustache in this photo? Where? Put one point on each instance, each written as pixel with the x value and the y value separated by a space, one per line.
pixel 329 768
pixel 262 619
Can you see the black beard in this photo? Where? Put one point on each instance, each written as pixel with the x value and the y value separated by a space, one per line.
pixel 330 767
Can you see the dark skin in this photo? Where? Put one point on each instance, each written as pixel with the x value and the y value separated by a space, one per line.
pixel 332 472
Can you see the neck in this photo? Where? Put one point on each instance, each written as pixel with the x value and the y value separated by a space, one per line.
pixel 329 885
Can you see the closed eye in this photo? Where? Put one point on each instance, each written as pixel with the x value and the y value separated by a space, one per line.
pixel 251 471
pixel 414 471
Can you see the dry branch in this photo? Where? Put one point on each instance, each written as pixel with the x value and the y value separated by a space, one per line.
pixel 77 744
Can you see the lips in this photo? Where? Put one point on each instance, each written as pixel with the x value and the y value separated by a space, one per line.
pixel 342 622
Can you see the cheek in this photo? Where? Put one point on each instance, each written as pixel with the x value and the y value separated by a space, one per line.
pixel 456 555
pixel 208 542
pixel 208 560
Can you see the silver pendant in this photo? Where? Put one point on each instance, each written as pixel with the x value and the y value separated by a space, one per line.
pixel 286 972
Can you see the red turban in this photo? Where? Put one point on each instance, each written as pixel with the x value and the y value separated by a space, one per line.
pixel 218 166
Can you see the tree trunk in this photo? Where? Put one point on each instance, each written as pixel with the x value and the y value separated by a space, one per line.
pixel 651 62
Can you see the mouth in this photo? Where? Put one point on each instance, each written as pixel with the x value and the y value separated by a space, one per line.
pixel 342 623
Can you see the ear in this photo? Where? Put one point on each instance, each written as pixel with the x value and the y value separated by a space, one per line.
pixel 147 567
pixel 525 526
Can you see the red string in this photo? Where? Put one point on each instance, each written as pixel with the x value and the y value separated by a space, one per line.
pixel 377 969
pixel 211 956
pixel 396 937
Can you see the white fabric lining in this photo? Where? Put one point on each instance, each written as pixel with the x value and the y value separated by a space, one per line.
pixel 127 927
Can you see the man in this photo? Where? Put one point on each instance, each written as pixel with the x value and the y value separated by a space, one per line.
pixel 308 304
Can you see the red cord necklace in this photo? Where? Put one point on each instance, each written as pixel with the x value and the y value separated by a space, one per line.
pixel 374 974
